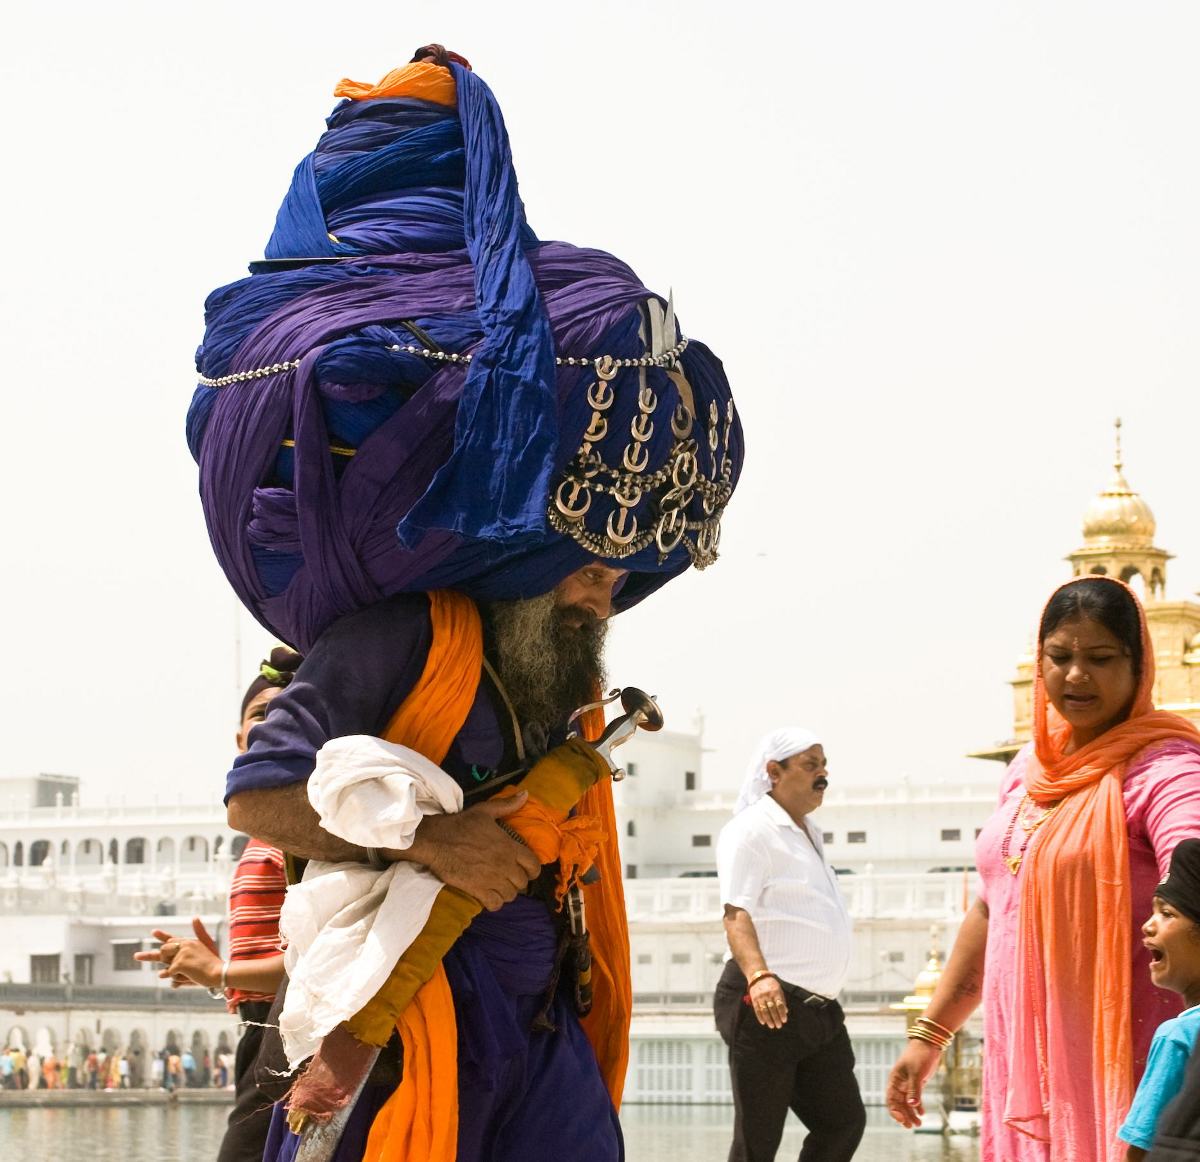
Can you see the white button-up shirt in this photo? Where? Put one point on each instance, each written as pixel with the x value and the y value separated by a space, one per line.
pixel 775 869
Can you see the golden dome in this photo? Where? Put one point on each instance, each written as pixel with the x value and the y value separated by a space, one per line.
pixel 1119 514
pixel 929 976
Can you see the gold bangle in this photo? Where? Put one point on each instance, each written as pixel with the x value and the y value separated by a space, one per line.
pixel 941 1030
pixel 759 975
pixel 929 1037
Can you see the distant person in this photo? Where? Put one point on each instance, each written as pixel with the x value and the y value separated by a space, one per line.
pixel 790 941
pixel 1090 812
pixel 254 971
pixel 1172 936
pixel 174 1071
pixel 20 1066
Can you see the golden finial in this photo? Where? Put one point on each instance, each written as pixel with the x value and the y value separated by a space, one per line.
pixel 1119 464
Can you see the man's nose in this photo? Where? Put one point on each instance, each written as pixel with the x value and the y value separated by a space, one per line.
pixel 1148 926
pixel 598 600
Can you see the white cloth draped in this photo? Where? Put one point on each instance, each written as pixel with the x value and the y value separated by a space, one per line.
pixel 347 924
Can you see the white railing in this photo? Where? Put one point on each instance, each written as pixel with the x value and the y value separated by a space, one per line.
pixel 158 811
pixel 874 895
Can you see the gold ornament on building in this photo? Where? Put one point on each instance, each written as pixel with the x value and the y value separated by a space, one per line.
pixel 1118 535
pixel 1118 541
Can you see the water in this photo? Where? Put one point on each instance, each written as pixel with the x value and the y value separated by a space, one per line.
pixel 175 1133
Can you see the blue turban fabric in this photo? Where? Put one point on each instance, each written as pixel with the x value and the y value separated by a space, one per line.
pixel 351 468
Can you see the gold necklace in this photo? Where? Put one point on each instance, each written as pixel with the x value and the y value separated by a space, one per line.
pixel 1013 862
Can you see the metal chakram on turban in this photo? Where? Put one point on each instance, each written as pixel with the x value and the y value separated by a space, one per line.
pixel 413 392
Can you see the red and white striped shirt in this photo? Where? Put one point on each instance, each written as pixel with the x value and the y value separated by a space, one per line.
pixel 255 899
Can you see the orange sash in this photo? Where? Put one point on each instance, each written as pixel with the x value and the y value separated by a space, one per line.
pixel 419 1122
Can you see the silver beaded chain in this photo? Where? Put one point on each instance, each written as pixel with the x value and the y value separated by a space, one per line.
pixel 666 359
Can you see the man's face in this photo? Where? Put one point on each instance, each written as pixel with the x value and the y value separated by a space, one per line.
pixel 550 649
pixel 799 781
pixel 587 594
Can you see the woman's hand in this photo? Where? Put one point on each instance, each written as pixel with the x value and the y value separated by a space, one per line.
pixel 912 1070
pixel 768 1002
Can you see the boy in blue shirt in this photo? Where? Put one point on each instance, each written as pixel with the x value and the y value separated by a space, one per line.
pixel 1172 935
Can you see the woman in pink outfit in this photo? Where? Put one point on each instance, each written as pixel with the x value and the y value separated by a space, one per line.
pixel 1089 814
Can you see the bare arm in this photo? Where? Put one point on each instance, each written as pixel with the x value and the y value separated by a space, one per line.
pixel 196 964
pixel 467 851
pixel 197 960
pixel 956 997
pixel 770 1005
pixel 960 988
pixel 1134 1154
pixel 284 818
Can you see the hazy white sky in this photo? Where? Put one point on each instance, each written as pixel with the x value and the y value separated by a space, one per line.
pixel 939 246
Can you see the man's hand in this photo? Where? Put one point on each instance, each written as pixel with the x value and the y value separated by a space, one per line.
pixel 469 851
pixel 768 1002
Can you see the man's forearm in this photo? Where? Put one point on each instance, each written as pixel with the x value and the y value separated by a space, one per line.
pixel 743 941
pixel 284 818
pixel 465 849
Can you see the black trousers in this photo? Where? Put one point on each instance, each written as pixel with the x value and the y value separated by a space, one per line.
pixel 807 1067
pixel 250 1117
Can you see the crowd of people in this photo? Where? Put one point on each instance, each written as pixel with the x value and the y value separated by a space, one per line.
pixel 170 1068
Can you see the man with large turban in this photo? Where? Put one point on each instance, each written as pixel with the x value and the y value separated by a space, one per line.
pixel 435 454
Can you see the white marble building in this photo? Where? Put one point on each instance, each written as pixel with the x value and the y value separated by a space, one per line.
pixel 82 885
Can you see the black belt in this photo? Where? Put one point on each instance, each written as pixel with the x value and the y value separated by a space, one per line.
pixel 812 1000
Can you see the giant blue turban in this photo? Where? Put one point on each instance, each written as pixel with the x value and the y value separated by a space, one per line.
pixel 413 392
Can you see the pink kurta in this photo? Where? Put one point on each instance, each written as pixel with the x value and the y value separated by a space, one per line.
pixel 1162 806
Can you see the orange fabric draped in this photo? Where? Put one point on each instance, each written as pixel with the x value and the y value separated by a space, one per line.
pixel 607 1025
pixel 423 80
pixel 419 1122
pixel 1074 939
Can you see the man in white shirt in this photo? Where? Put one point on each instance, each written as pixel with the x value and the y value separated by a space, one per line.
pixel 790 941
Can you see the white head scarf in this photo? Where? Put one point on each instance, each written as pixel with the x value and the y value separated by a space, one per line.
pixel 775 747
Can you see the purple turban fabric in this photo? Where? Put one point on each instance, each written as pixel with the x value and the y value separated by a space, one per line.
pixel 355 465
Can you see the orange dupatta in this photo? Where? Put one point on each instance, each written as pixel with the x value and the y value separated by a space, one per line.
pixel 1074 937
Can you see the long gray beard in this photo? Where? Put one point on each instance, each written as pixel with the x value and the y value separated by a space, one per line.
pixel 548 667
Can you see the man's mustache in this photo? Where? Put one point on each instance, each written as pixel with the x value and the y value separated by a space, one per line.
pixel 577 615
